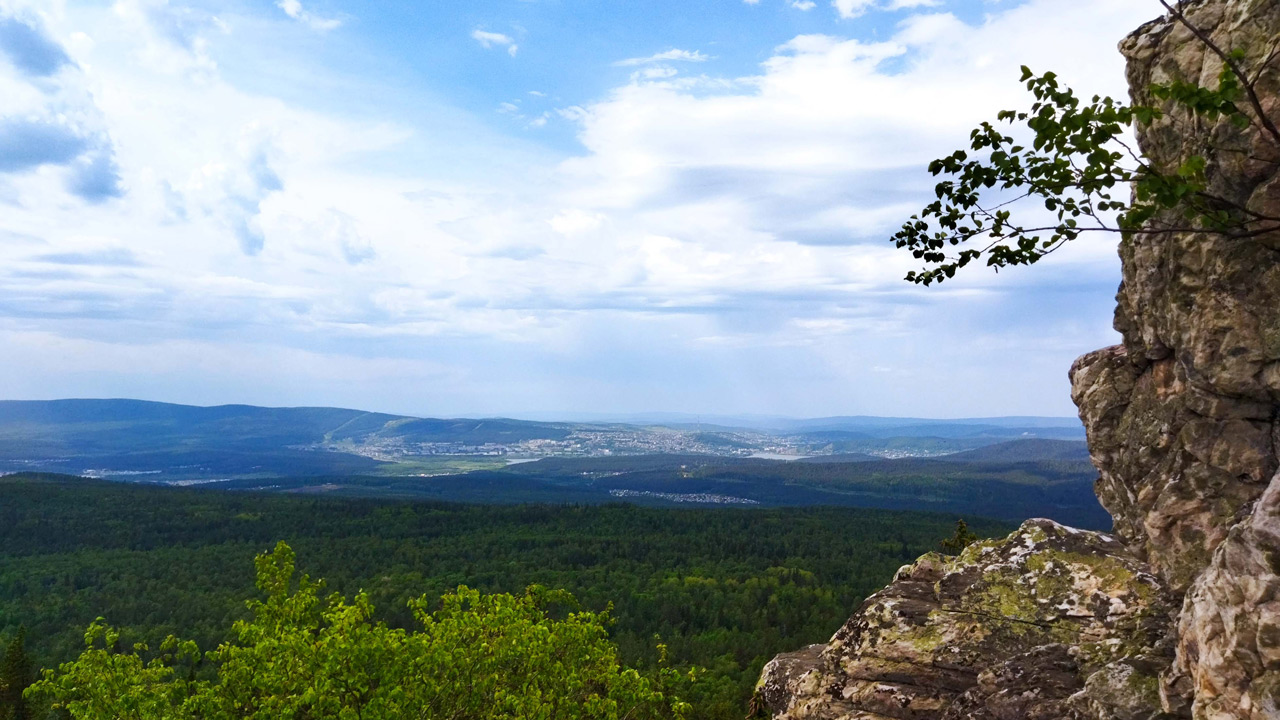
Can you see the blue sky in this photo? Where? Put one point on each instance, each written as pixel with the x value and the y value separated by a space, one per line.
pixel 525 206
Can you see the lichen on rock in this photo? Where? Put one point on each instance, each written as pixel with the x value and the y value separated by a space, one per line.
pixel 943 628
pixel 1229 630
pixel 1182 417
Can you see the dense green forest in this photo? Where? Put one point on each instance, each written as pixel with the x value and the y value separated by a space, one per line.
pixel 1010 481
pixel 722 589
pixel 307 654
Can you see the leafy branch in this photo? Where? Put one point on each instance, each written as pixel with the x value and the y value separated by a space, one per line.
pixel 1077 166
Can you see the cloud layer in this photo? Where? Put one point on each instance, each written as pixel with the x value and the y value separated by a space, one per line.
pixel 717 243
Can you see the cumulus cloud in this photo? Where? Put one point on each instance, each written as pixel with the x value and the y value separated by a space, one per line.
pixel 95 177
pixel 29 49
pixel 665 56
pixel 176 23
pixel 355 248
pixel 26 144
pixel 109 257
pixel 245 192
pixel 851 8
pixel 711 233
pixel 848 9
pixel 294 9
pixel 493 39
pixel 50 119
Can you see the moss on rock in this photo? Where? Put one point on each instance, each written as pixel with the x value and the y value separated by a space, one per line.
pixel 925 640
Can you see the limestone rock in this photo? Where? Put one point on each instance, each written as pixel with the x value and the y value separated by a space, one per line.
pixel 782 675
pixel 1127 689
pixel 1229 630
pixel 1182 418
pixel 1035 685
pixel 1015 626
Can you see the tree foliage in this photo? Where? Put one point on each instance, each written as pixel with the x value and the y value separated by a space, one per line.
pixel 306 655
pixel 725 589
pixel 962 538
pixel 1068 169
pixel 17 671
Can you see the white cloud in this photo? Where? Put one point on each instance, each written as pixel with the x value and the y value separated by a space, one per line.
pixel 849 9
pixel 493 39
pixel 665 56
pixel 906 4
pixel 294 9
pixel 576 222
pixel 805 5
pixel 655 72
pixel 713 233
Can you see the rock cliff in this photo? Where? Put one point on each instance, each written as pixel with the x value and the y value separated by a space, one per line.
pixel 1178 614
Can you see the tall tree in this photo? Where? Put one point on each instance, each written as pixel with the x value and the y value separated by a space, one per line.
pixel 16 674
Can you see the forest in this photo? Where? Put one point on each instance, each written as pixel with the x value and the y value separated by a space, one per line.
pixel 719 589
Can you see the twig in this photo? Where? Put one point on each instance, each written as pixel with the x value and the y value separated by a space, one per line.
pixel 1235 68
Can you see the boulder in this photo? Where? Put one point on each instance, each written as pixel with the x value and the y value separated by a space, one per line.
pixel 1015 626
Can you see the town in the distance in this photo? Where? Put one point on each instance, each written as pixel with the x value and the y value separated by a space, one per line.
pixel 1012 467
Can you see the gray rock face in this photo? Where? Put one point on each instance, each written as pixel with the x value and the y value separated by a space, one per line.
pixel 1182 417
pixel 1180 616
pixel 782 675
pixel 1010 628
pixel 1229 631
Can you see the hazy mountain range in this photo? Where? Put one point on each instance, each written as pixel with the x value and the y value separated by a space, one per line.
pixel 1007 468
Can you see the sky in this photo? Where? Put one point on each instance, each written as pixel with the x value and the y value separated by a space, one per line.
pixel 516 207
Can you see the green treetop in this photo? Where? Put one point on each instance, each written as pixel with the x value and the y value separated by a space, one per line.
pixel 304 656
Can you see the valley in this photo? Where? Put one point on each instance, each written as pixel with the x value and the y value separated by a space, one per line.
pixel 722 588
pixel 1003 468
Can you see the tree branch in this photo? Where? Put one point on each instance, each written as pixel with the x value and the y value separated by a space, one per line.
pixel 1239 72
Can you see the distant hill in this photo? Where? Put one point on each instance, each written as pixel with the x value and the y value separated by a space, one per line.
pixel 88 426
pixel 846 443
pixel 131 437
pixel 854 423
pixel 910 428
pixel 840 458
pixel 1037 480
pixel 76 425
pixel 1024 451
pixel 1000 472
pixel 577 468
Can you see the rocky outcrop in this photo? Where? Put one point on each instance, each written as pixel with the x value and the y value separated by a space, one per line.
pixel 1229 633
pixel 1179 614
pixel 1182 416
pixel 1182 419
pixel 1010 628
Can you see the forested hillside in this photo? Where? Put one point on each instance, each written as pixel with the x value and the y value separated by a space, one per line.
pixel 1011 481
pixel 723 589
